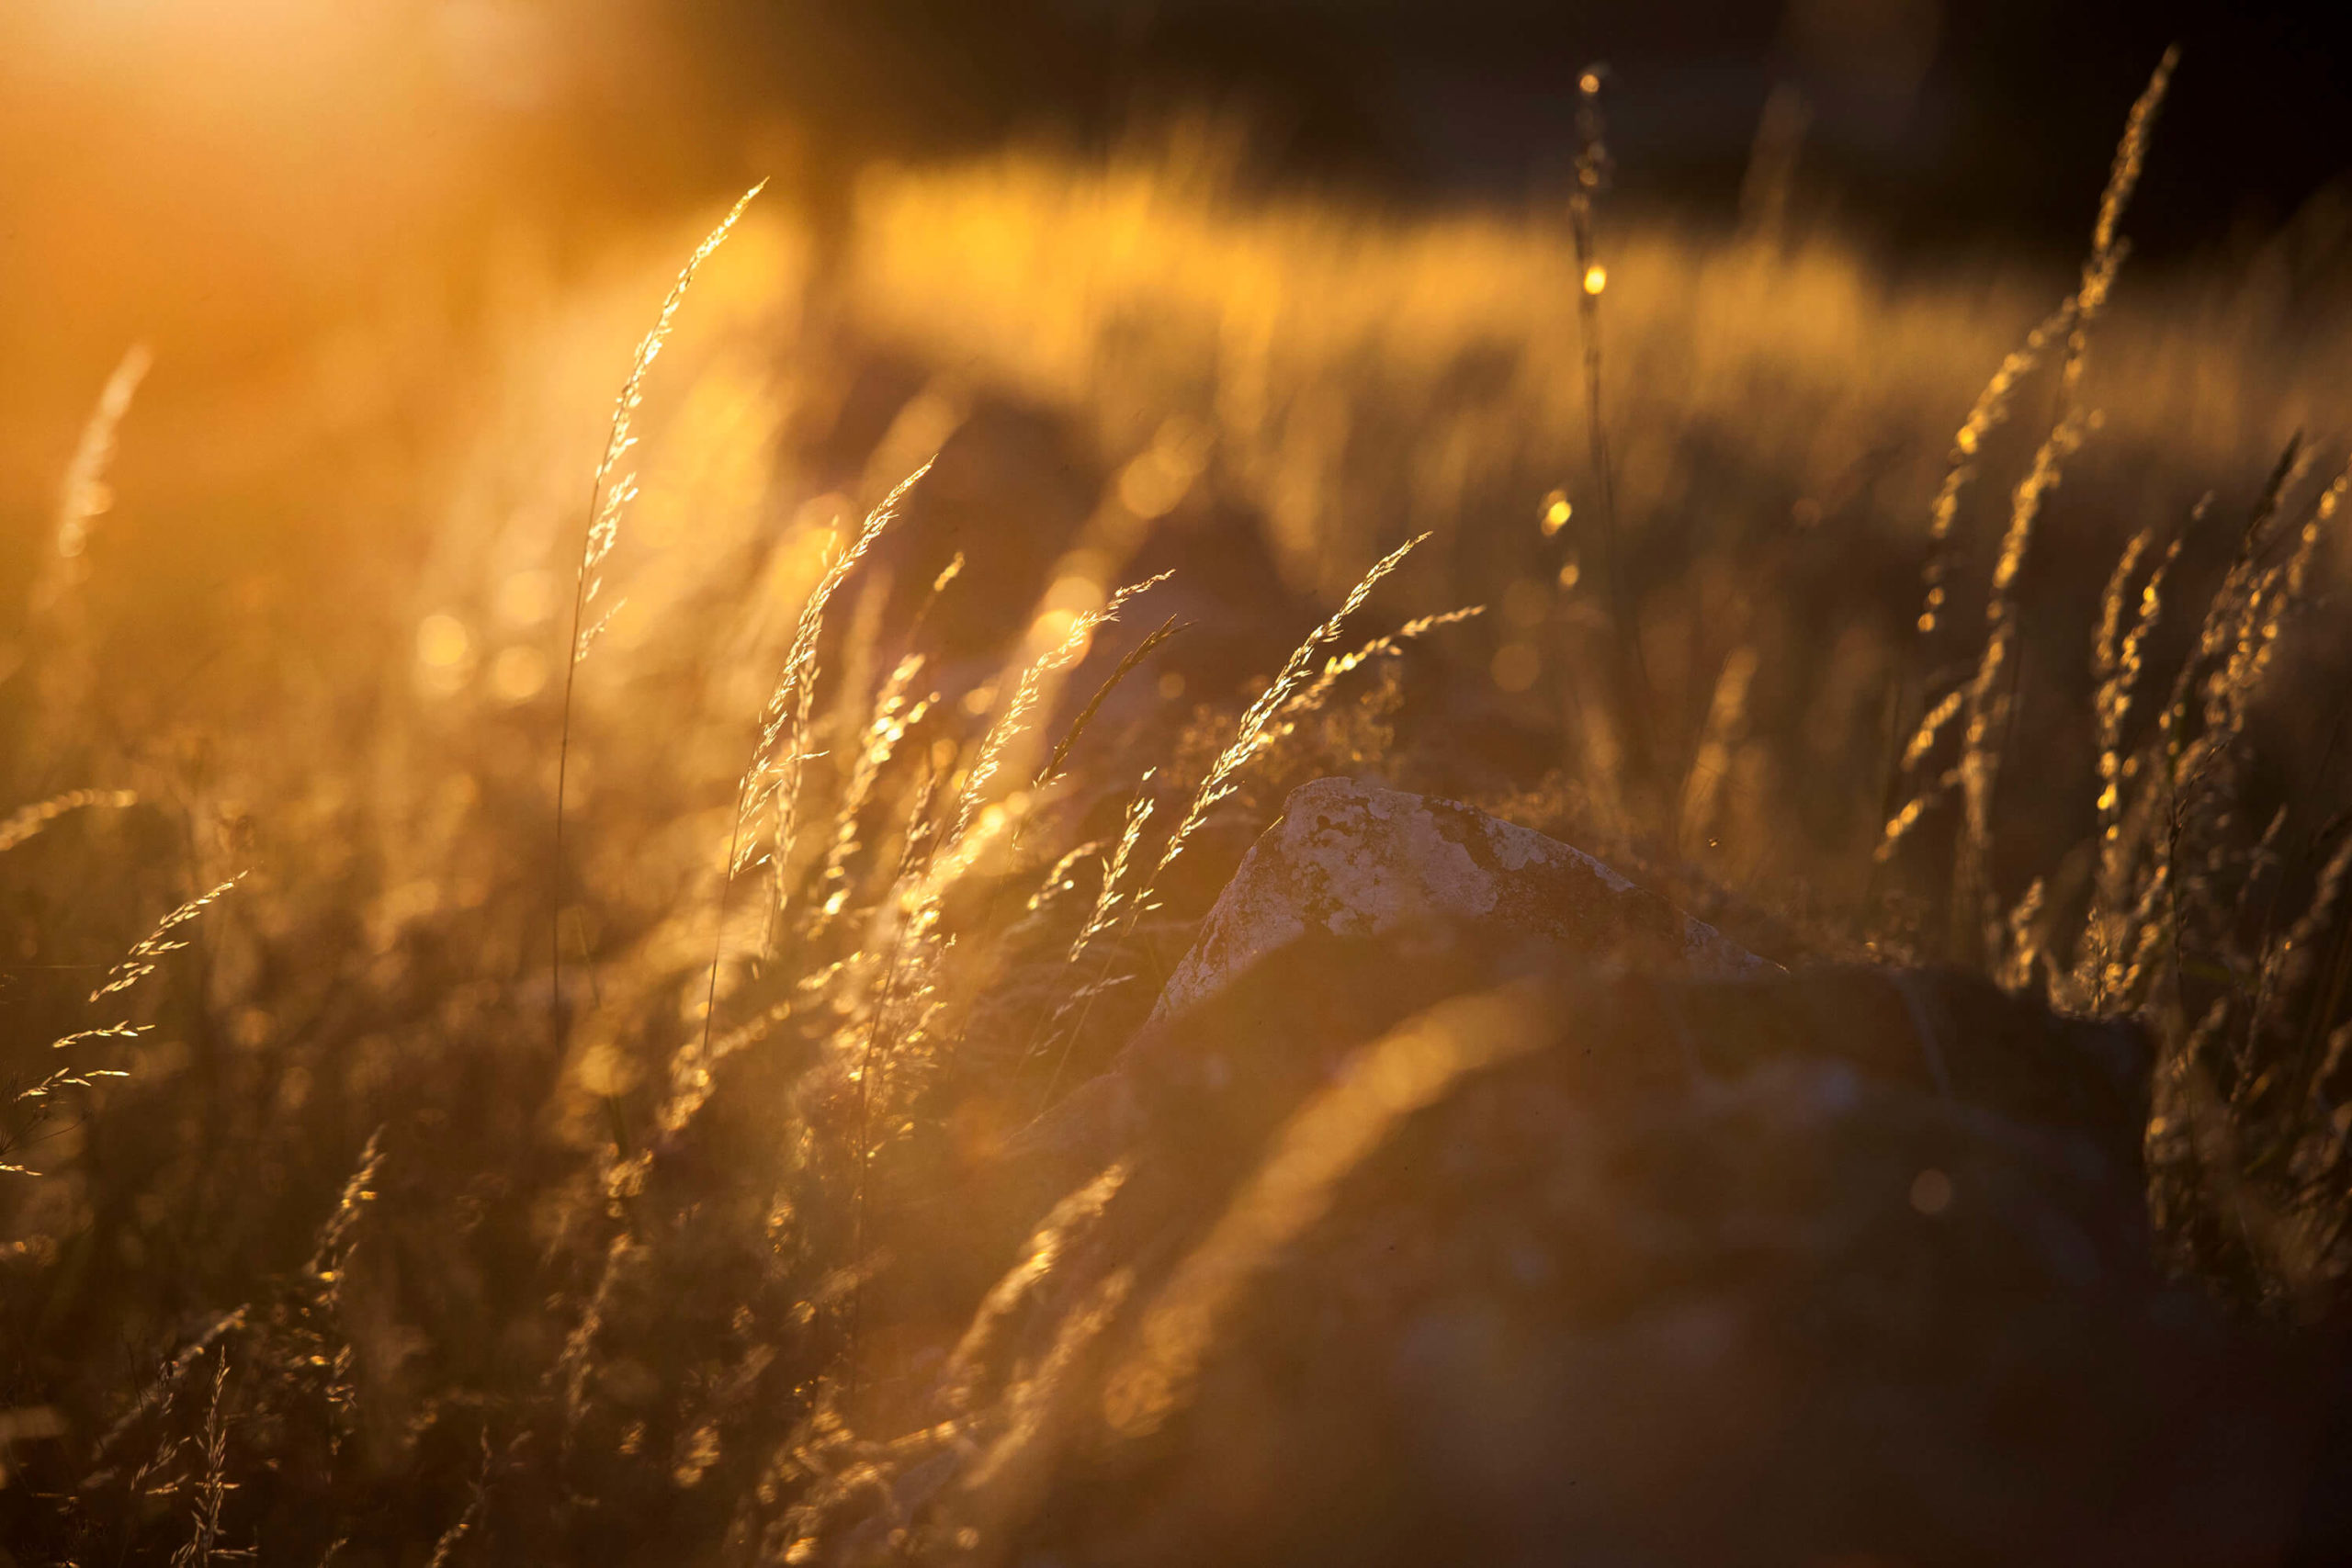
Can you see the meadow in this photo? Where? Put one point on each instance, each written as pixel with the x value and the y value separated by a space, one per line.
pixel 510 925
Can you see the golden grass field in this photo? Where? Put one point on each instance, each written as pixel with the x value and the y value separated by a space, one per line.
pixel 518 1057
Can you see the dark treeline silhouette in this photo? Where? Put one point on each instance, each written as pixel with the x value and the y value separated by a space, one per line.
pixel 1940 120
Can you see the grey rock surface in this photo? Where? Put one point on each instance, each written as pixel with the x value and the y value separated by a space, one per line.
pixel 1352 860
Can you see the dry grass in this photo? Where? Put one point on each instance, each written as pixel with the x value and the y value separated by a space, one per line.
pixel 629 1289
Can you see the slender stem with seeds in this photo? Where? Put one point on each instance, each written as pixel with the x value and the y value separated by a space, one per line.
pixel 1592 177
pixel 772 778
pixel 1134 656
pixel 608 498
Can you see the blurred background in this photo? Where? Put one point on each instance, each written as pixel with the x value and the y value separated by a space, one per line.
pixel 1318 250
pixel 1331 235
pixel 230 178
pixel 273 193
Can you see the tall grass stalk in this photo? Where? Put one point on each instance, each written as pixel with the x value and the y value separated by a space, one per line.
pixel 30 821
pixel 142 960
pixel 52 625
pixel 1987 698
pixel 1988 706
pixel 1255 730
pixel 1990 411
pixel 1390 645
pixel 1592 170
pixel 771 781
pixel 1026 695
pixel 144 957
pixel 891 716
pixel 1991 695
pixel 2108 246
pixel 1126 666
pixel 609 493
pixel 83 494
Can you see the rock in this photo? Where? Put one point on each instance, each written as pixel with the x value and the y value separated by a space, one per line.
pixel 1460 1201
pixel 1562 1298
pixel 1356 860
pixel 1346 861
pixel 1424 1248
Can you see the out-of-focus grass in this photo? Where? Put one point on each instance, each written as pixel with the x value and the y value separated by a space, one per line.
pixel 1781 415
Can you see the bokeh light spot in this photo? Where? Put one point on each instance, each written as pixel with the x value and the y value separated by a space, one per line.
pixel 526 598
pixel 518 674
pixel 1931 1192
pixel 1516 666
pixel 1556 512
pixel 442 642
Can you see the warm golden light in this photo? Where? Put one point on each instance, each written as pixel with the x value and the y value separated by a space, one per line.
pixel 733 1003
pixel 518 674
pixel 442 642
pixel 1556 512
pixel 1051 627
pixel 526 598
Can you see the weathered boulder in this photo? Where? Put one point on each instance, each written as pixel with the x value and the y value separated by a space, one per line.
pixel 1346 861
pixel 1525 1283
pixel 1357 861
pixel 1467 1206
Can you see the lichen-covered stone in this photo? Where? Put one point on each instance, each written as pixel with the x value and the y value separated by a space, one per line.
pixel 1356 860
